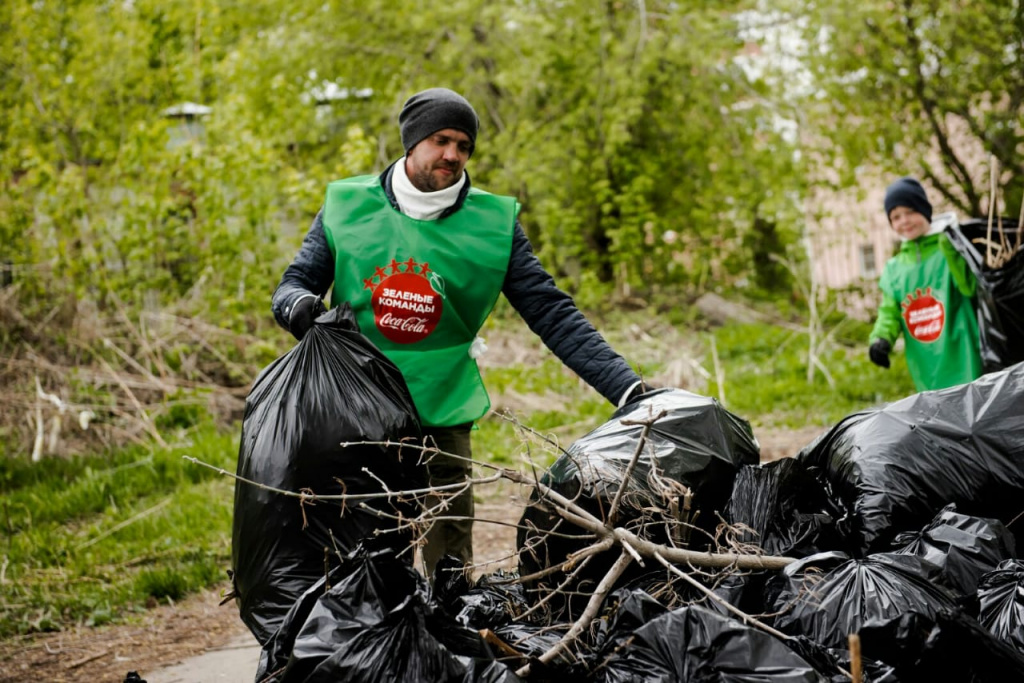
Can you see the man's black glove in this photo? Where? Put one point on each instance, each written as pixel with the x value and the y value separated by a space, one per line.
pixel 304 312
pixel 879 352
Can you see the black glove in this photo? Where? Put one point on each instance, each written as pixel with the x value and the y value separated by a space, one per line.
pixel 879 352
pixel 305 311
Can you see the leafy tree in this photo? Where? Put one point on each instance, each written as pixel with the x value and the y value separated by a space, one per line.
pixel 927 87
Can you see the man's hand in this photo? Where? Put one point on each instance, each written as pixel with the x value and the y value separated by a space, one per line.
pixel 879 352
pixel 304 312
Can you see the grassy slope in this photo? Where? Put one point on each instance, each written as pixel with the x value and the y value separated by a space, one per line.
pixel 92 539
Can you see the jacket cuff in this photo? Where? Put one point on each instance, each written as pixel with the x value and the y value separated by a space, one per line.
pixel 628 393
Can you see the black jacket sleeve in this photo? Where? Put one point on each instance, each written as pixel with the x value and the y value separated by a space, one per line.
pixel 311 272
pixel 553 316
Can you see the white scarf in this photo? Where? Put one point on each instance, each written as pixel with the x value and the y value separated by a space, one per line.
pixel 423 206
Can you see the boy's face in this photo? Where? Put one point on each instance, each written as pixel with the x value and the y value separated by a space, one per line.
pixel 907 223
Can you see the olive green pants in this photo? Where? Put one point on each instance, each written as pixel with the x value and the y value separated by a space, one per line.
pixel 449 537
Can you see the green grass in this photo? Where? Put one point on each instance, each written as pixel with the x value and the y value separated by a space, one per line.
pixel 765 377
pixel 92 539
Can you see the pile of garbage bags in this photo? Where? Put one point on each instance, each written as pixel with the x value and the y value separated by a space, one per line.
pixel 901 521
pixel 898 526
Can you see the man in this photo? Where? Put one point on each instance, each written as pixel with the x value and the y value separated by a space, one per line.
pixel 421 256
pixel 927 296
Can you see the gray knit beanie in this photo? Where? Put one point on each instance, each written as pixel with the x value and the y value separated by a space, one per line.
pixel 436 109
pixel 909 193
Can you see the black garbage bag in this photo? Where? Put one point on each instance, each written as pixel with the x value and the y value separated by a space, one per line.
pixel 370 618
pixel 695 644
pixel 533 640
pixel 893 468
pixel 355 595
pixel 835 663
pixel 494 599
pixel 946 646
pixel 1000 291
pixel 696 442
pixel 1001 594
pixel 963 548
pixel 789 511
pixel 412 643
pixel 333 387
pixel 626 610
pixel 826 597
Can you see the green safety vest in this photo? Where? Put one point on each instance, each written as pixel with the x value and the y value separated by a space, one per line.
pixel 923 301
pixel 421 290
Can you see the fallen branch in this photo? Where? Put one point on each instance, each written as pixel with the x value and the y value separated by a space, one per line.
pixel 593 606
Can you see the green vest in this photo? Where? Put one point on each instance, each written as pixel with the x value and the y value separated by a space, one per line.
pixel 922 300
pixel 421 290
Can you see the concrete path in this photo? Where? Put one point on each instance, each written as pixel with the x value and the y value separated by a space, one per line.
pixel 235 662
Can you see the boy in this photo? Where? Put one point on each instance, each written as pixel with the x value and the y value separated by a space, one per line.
pixel 927 293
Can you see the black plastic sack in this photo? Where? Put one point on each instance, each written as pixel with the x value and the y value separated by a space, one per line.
pixel 410 644
pixel 788 510
pixel 947 646
pixel 694 644
pixel 893 468
pixel 697 443
pixel 354 596
pixel 495 599
pixel 826 597
pixel 372 619
pixel 625 610
pixel 333 387
pixel 963 548
pixel 1001 594
pixel 1000 291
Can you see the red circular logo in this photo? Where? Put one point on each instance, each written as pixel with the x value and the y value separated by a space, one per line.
pixel 406 308
pixel 924 315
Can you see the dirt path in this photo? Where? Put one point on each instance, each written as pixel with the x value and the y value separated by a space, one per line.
pixel 198 640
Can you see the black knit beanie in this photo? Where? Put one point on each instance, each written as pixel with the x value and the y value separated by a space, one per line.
pixel 909 193
pixel 433 110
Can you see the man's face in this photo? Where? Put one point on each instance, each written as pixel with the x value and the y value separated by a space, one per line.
pixel 438 160
pixel 907 223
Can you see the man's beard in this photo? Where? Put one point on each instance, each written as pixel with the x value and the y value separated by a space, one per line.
pixel 426 181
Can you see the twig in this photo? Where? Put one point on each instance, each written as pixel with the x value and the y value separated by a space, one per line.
pixel 589 613
pixel 613 512
pixel 744 617
pixel 138 406
pixel 346 496
pixel 591 551
pixel 86 660
pixel 127 522
pixel 992 163
pixel 855 664
pixel 587 521
pixel 719 374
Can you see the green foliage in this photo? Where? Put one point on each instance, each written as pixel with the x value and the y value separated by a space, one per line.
pixel 106 201
pixel 952 77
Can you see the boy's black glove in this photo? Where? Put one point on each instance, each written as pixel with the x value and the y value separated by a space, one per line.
pixel 306 310
pixel 879 352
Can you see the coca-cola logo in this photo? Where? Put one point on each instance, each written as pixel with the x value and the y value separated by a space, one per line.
pixel 406 308
pixel 924 315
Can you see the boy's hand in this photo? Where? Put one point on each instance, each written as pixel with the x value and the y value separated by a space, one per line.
pixel 879 352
